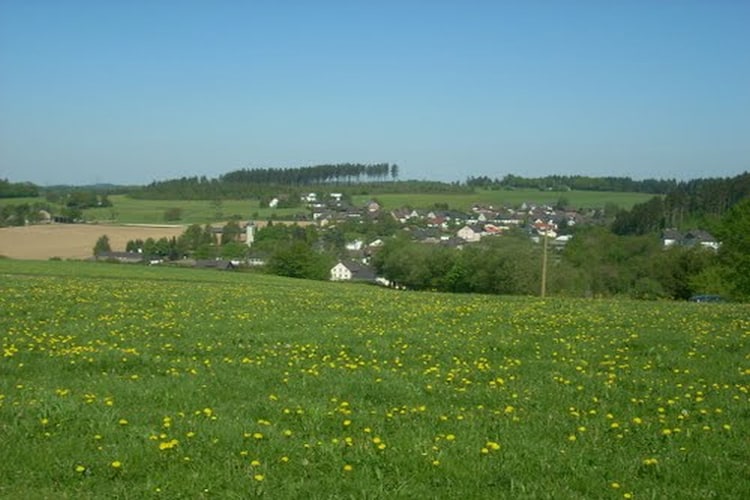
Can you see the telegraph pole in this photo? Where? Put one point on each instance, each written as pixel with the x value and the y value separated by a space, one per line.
pixel 544 264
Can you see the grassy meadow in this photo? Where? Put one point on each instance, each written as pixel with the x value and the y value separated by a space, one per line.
pixel 136 382
pixel 126 210
pixel 510 198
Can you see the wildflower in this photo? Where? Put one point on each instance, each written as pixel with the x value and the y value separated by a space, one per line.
pixel 492 445
pixel 116 464
pixel 80 468
pixel 168 445
pixel 650 461
pixel 255 463
pixel 348 468
pixel 259 477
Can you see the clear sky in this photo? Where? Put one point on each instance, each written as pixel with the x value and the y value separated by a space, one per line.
pixel 135 91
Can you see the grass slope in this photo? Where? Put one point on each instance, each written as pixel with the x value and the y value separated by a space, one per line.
pixel 132 382
pixel 510 198
pixel 127 210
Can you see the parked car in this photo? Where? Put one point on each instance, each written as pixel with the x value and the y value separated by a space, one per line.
pixel 707 298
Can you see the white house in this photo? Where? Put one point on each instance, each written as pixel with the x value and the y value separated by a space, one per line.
pixel 469 233
pixel 351 271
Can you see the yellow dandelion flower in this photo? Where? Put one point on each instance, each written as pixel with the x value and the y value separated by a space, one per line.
pixel 80 468
pixel 348 468
pixel 255 463
pixel 116 464
pixel 259 477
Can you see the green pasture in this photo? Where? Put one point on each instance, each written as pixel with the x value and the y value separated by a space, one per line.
pixel 508 198
pixel 124 381
pixel 134 211
pixel 129 210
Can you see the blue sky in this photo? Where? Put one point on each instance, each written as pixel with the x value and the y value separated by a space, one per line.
pixel 136 91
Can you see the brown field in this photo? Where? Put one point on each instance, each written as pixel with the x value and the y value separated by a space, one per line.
pixel 73 241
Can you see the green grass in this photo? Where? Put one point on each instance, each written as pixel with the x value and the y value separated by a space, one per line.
pixel 128 210
pixel 510 198
pixel 130 382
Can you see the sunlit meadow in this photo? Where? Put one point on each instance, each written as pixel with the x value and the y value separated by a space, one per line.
pixel 131 382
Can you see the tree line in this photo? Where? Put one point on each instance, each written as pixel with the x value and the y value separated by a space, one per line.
pixel 18 189
pixel 318 174
pixel 695 203
pixel 575 182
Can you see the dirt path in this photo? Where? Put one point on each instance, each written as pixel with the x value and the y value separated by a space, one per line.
pixel 73 241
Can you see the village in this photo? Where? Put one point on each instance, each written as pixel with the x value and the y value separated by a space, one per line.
pixel 441 226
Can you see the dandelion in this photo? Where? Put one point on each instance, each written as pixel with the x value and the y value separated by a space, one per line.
pixel 650 461
pixel 492 445
pixel 168 445
pixel 255 463
pixel 116 464
pixel 123 421
pixel 348 468
pixel 80 469
pixel 259 477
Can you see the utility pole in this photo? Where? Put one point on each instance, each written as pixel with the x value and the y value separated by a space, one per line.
pixel 544 264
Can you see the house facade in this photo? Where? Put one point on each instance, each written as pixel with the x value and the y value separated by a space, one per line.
pixel 351 271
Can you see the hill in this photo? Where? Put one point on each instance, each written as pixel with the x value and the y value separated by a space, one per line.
pixel 122 381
